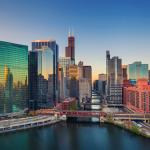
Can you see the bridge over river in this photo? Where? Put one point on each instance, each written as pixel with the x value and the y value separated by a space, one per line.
pixel 115 116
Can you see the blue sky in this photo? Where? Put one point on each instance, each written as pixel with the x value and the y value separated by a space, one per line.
pixel 122 26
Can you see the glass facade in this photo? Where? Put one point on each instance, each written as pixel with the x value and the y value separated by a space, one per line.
pixel 13 77
pixel 64 62
pixel 41 78
pixel 38 44
pixel 137 70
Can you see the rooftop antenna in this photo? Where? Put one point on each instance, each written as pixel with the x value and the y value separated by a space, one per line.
pixel 72 32
pixel 69 33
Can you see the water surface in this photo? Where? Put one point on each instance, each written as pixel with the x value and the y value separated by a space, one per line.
pixel 74 136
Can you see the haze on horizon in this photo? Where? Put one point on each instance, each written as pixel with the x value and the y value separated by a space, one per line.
pixel 122 26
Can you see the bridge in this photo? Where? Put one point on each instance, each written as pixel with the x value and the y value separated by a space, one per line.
pixel 115 116
pixel 97 114
pixel 133 116
pixel 83 113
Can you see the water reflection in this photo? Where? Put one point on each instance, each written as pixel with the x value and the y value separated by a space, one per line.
pixel 74 136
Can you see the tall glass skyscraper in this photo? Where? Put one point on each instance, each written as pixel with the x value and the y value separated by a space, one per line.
pixel 137 70
pixel 13 77
pixel 41 78
pixel 38 44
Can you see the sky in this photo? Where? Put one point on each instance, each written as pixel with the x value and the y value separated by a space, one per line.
pixel 121 26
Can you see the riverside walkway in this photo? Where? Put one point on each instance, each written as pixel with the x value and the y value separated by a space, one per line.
pixel 26 123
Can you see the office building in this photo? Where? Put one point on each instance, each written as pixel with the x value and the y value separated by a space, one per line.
pixel 69 104
pixel 137 97
pixel 84 90
pixel 102 84
pixel 72 72
pixel 41 78
pixel 137 70
pixel 102 77
pixel 87 73
pixel 74 88
pixel 61 83
pixel 39 44
pixel 65 62
pixel 80 69
pixel 149 76
pixel 70 49
pixel 124 72
pixel 114 79
pixel 13 77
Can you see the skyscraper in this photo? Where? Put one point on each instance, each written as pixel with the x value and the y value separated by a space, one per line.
pixel 114 79
pixel 80 69
pixel 72 72
pixel 102 84
pixel 13 77
pixel 87 73
pixel 107 71
pixel 38 44
pixel 84 89
pixel 102 77
pixel 124 72
pixel 70 49
pixel 65 62
pixel 41 78
pixel 149 76
pixel 137 70
pixel 61 82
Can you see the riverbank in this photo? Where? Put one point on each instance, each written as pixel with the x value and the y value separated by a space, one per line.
pixel 12 125
pixel 130 127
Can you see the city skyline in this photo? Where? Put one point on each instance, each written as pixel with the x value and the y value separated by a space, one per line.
pixel 72 67
pixel 120 26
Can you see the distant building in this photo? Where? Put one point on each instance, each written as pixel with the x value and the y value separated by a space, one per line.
pixel 87 73
pixel 124 72
pixel 100 86
pixel 69 104
pixel 107 72
pixel 84 89
pixel 137 98
pixel 114 79
pixel 95 85
pixel 149 76
pixel 74 88
pixel 13 77
pixel 61 83
pixel 72 72
pixel 137 70
pixel 70 49
pixel 80 69
pixel 41 78
pixel 102 77
pixel 64 63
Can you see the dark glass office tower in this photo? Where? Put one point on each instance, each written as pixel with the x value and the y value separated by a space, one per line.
pixel 13 77
pixel 38 44
pixel 41 78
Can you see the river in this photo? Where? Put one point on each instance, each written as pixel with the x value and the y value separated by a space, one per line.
pixel 74 136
